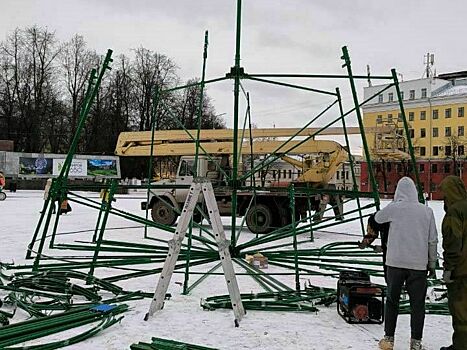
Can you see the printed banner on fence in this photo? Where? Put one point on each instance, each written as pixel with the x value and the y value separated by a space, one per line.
pixel 102 167
pixel 35 166
pixel 78 168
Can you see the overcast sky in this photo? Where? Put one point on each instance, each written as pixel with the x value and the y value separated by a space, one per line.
pixel 294 36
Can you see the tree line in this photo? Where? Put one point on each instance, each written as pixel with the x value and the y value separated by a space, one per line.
pixel 42 87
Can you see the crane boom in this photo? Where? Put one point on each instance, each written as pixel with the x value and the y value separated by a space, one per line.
pixel 137 143
pixel 219 148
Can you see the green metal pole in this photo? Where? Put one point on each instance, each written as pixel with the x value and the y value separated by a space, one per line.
pixel 294 229
pixel 108 206
pixel 38 227
pixel 237 76
pixel 310 217
pixel 407 134
pixel 151 156
pixel 96 230
pixel 195 166
pixel 54 232
pixel 374 185
pixel 352 170
pixel 43 238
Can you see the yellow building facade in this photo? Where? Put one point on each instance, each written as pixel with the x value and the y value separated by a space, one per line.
pixel 436 113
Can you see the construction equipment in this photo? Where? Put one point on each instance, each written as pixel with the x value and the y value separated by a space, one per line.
pixel 266 208
pixel 138 143
pixel 198 185
pixel 359 300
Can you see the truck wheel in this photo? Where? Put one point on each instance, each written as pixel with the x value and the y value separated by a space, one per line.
pixel 259 219
pixel 163 214
pixel 197 217
pixel 2 196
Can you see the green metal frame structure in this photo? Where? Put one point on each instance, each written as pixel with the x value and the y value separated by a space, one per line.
pixel 282 246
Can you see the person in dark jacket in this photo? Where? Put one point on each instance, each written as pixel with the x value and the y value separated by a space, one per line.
pixel 454 230
pixel 373 231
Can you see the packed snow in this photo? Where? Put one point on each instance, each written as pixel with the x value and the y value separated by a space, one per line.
pixel 182 318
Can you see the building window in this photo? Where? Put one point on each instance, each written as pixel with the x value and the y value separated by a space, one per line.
pixel 337 175
pixel 447 151
pixel 412 95
pixel 423 93
pixel 412 133
pixel 435 114
pixel 290 174
pixel 422 151
pixel 391 97
pixel 423 115
pixel 422 168
pixel 447 113
pixel 460 112
pixel 434 168
pixel 447 131
pixel 460 150
pixel 399 117
pixel 447 168
pixel 380 98
pixel 284 174
pixel 379 119
pixel 460 130
pixel 402 95
pixel 422 132
pixel 411 116
pixel 435 132
pixel 435 150
pixel 274 174
pixel 389 118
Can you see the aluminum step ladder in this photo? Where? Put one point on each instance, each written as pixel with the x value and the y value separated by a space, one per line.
pixel 204 186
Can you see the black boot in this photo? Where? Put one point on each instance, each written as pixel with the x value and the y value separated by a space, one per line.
pixel 450 347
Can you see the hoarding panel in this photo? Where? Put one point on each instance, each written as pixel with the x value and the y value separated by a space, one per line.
pixel 102 167
pixel 78 168
pixel 35 166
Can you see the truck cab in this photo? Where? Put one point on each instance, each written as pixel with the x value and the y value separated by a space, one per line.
pixel 165 203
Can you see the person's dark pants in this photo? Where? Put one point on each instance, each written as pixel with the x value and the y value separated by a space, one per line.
pixel 457 302
pixel 416 285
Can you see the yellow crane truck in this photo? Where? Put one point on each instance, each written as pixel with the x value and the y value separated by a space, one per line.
pixel 265 208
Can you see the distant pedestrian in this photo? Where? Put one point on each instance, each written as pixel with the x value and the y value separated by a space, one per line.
pixel 411 251
pixel 454 230
pixel 65 207
pixel 2 180
pixel 47 187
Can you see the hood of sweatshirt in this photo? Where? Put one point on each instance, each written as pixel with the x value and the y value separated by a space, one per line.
pixel 453 189
pixel 406 191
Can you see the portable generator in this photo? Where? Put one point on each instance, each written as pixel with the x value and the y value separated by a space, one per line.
pixel 359 300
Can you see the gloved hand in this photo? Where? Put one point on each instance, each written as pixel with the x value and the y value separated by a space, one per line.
pixel 378 249
pixel 431 273
pixel 364 243
pixel 447 276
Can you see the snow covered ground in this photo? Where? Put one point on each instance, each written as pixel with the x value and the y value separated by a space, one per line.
pixel 182 317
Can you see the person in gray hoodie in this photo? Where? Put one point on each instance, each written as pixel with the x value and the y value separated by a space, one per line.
pixel 411 252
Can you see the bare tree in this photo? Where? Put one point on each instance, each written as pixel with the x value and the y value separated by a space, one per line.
pixel 188 108
pixel 76 62
pixel 151 71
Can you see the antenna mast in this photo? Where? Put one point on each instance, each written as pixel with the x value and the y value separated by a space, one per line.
pixel 429 61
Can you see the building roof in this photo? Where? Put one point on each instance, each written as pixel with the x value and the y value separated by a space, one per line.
pixel 453 75
pixel 452 90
